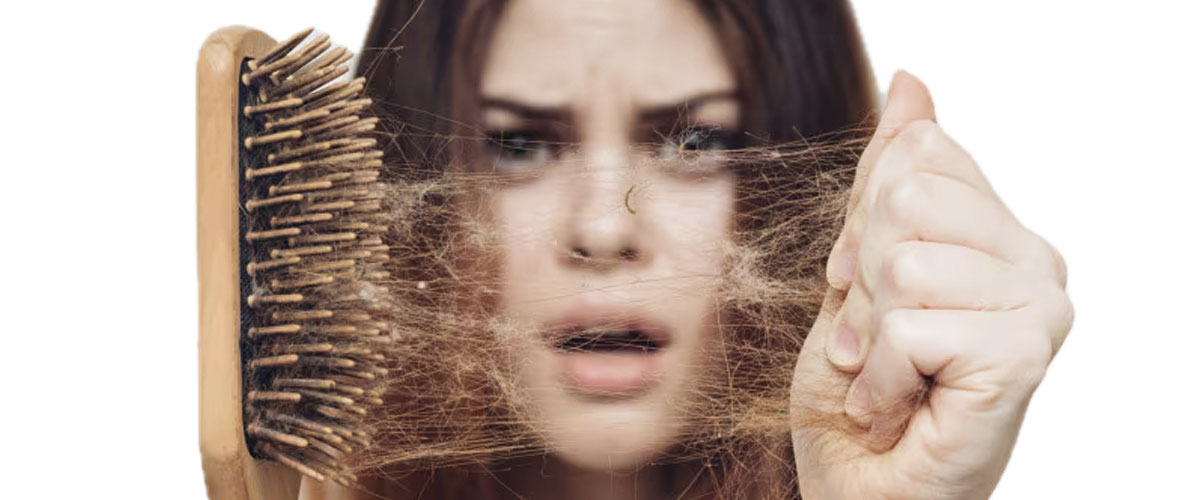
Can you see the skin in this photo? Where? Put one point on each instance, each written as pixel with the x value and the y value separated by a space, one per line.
pixel 932 277
pixel 649 233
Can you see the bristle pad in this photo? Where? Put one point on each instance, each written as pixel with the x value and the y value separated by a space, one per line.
pixel 313 258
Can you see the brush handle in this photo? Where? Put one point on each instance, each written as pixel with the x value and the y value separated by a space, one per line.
pixel 230 473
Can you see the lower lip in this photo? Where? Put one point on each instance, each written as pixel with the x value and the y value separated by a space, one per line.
pixel 610 374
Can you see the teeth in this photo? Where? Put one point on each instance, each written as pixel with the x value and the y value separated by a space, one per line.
pixel 626 340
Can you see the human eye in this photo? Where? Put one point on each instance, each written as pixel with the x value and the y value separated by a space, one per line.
pixel 516 151
pixel 698 149
pixel 698 139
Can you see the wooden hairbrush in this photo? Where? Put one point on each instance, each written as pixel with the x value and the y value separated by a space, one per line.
pixel 290 219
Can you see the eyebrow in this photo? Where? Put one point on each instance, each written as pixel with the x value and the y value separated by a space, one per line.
pixel 671 112
pixel 529 111
pixel 659 112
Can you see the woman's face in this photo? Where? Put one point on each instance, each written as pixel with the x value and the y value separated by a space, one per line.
pixel 610 116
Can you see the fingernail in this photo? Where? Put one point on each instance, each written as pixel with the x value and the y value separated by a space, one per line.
pixel 891 89
pixel 891 93
pixel 845 345
pixel 858 401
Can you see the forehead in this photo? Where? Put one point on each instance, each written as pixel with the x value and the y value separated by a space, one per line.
pixel 562 52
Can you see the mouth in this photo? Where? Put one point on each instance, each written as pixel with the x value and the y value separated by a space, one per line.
pixel 603 359
pixel 601 340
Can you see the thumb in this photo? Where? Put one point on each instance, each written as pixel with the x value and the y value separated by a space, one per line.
pixel 908 101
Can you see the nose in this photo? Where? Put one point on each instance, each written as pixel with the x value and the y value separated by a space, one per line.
pixel 604 231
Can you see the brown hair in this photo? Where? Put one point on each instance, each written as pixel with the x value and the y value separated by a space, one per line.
pixel 802 76
pixel 802 69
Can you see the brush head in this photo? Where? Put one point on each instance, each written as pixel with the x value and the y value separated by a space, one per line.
pixel 311 254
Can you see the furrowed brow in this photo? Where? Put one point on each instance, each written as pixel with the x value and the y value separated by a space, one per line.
pixel 672 113
pixel 527 111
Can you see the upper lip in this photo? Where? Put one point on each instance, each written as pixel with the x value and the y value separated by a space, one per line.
pixel 606 328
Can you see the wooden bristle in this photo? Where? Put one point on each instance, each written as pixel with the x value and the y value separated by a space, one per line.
pixel 313 212
pixel 290 461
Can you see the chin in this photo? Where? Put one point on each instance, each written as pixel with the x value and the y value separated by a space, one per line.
pixel 608 390
pixel 607 429
pixel 608 436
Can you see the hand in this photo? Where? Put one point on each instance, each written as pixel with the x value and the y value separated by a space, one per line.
pixel 942 316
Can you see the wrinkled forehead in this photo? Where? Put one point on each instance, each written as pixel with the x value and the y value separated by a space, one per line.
pixel 569 52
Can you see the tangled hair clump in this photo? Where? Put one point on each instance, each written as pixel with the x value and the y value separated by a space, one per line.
pixel 453 399
pixel 454 403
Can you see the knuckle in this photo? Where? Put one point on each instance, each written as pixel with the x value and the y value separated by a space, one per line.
pixel 1017 364
pixel 1028 376
pixel 1055 262
pixel 1068 312
pixel 1060 264
pixel 902 199
pixel 1037 348
pixel 895 327
pixel 1033 348
pixel 903 268
pixel 1060 315
pixel 922 138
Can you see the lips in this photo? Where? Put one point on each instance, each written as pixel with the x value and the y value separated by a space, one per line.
pixel 607 339
pixel 609 353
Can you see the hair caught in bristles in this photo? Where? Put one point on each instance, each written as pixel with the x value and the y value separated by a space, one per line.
pixel 313 215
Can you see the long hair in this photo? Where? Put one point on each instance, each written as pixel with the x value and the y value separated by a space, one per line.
pixel 801 65
pixel 802 77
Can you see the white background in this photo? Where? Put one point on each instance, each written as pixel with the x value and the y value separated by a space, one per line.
pixel 1083 114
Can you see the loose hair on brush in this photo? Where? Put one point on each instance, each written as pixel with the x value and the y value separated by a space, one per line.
pixel 452 411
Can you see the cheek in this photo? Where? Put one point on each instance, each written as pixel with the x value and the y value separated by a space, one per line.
pixel 524 219
pixel 694 229
pixel 693 222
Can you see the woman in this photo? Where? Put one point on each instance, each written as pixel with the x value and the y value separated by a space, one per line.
pixel 646 195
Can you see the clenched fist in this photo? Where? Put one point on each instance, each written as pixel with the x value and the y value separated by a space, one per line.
pixel 942 316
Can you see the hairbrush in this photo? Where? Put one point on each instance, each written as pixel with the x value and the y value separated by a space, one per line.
pixel 290 222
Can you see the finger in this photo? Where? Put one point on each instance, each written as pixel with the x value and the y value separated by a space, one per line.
pixel 908 101
pixel 980 257
pixel 921 274
pixel 885 393
pixel 924 147
pixel 981 364
pixel 930 275
pixel 851 332
pixel 1056 261
pixel 925 207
